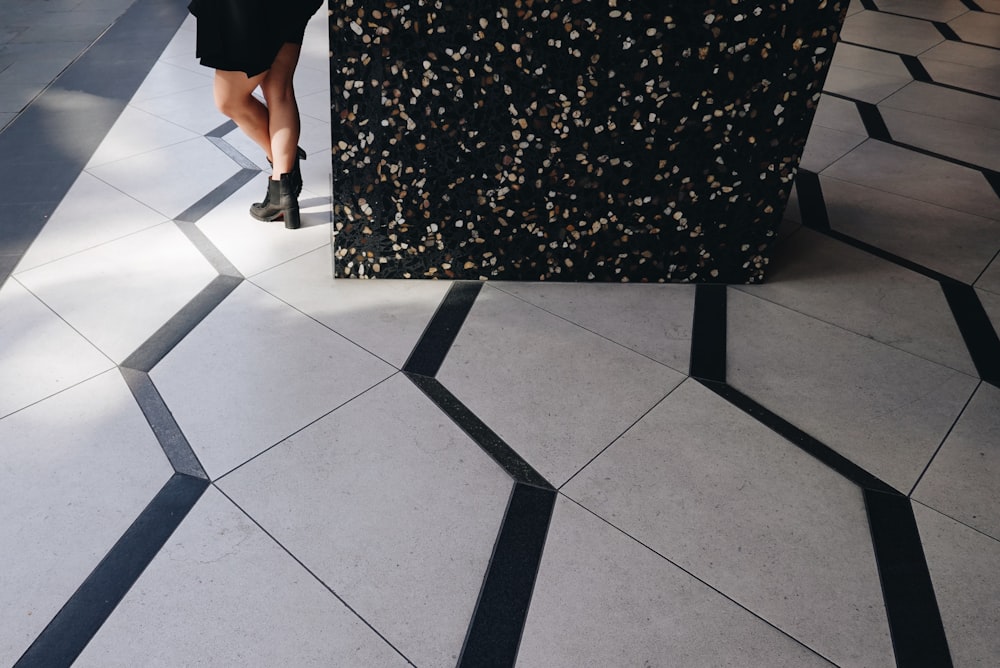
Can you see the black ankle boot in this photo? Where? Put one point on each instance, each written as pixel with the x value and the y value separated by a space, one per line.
pixel 296 172
pixel 281 202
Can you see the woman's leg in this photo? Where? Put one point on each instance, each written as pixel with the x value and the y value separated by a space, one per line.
pixel 234 98
pixel 282 110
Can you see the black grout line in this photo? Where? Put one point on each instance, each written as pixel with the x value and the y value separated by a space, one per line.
pixel 509 460
pixel 156 347
pixel 494 635
pixel 812 206
pixel 168 433
pixel 993 178
pixel 946 31
pixel 800 439
pixel 915 625
pixel 874 123
pixel 79 620
pixel 219 194
pixel 977 330
pixel 436 341
pixel 708 333
pixel 916 68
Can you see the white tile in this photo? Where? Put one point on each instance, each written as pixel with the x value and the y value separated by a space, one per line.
pixel 964 566
pixel 960 53
pixel 978 27
pixel 118 294
pixel 963 481
pixel 931 10
pixel 874 61
pixel 972 144
pixel 221 591
pixel 39 353
pixel 931 100
pixel 729 501
pixel 861 85
pixel 882 166
pixel 825 146
pixel 884 409
pixel 165 79
pixel 171 179
pixel 316 105
pixel 91 213
pixel 393 507
pixel 831 281
pixel 838 114
pixel 954 243
pixel 892 33
pixel 385 317
pixel 254 372
pixel 78 468
pixel 254 246
pixel 556 393
pixel 653 320
pixel 593 606
pixel 137 132
pixel 192 109
pixel 977 79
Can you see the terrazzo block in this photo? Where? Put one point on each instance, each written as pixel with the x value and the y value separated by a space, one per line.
pixel 570 140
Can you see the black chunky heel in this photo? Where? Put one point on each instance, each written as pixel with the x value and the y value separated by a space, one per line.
pixel 281 202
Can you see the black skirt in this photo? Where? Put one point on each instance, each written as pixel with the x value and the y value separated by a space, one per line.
pixel 245 35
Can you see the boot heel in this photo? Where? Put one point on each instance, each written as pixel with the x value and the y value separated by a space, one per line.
pixel 291 216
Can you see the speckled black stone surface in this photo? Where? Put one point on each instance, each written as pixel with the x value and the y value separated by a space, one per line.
pixel 610 141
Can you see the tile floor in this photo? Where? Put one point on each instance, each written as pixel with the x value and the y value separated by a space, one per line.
pixel 215 455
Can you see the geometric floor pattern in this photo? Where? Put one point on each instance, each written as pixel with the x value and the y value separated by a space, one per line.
pixel 214 454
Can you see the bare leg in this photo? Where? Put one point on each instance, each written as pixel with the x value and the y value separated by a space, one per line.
pixel 234 98
pixel 283 112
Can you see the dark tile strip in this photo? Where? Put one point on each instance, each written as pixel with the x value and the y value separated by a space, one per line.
pixel 874 123
pixel 946 31
pixel 78 621
pixel 209 250
pixel 220 194
pixel 708 333
pixel 993 178
pixel 156 347
pixel 175 445
pixel 511 462
pixel 498 622
pixel 915 625
pixel 434 344
pixel 812 206
pixel 222 130
pixel 237 157
pixel 916 68
pixel 976 328
pixel 46 147
pixel 799 438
